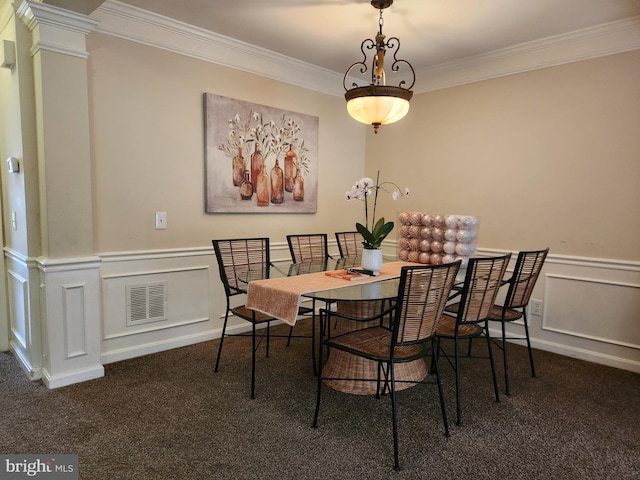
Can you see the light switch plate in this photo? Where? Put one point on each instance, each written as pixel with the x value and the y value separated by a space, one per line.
pixel 161 220
pixel 13 164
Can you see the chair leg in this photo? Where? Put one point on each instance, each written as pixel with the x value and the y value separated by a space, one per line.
pixel 436 368
pixel 457 368
pixel 526 331
pixel 319 375
pixel 436 353
pixel 504 357
pixel 313 338
pixel 378 378
pixel 290 333
pixel 268 337
pixel 394 414
pixel 253 361
pixel 224 329
pixel 493 365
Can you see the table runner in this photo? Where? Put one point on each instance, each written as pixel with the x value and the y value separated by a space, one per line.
pixel 280 297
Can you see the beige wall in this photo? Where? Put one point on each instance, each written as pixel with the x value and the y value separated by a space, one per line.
pixel 545 158
pixel 148 149
pixel 12 143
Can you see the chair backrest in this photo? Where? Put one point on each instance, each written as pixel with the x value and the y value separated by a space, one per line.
pixel 422 295
pixel 238 256
pixel 481 284
pixel 308 247
pixel 349 244
pixel 525 275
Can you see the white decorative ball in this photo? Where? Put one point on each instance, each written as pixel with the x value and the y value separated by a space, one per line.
pixel 448 258
pixel 466 235
pixel 449 247
pixel 465 249
pixel 450 234
pixel 467 221
pixel 451 221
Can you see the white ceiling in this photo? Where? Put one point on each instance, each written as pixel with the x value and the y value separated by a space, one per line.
pixel 328 33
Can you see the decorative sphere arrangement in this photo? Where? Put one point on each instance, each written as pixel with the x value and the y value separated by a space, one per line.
pixel 436 239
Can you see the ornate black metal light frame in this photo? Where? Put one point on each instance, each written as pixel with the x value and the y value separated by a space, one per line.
pixel 378 103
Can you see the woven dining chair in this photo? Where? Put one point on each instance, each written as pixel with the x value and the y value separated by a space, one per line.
pixel 469 318
pixel 308 247
pixel 422 294
pixel 524 278
pixel 237 257
pixel 349 244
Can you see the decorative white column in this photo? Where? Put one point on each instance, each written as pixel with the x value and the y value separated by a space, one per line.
pixel 65 306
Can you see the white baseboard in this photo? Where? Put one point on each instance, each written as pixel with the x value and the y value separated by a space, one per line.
pixel 69 378
pixel 118 355
pixel 587 355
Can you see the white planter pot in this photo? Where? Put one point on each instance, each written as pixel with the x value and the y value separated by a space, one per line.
pixel 372 260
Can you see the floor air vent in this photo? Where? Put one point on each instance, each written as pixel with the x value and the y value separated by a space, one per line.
pixel 146 303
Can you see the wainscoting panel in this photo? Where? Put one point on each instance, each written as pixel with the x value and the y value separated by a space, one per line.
pixel 18 309
pixel 154 301
pixel 187 300
pixel 70 318
pixel 74 320
pixel 591 309
pixel 595 309
pixel 23 307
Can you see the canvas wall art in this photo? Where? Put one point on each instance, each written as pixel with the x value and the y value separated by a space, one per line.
pixel 259 159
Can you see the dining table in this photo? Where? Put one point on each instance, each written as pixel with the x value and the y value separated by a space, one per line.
pixel 363 298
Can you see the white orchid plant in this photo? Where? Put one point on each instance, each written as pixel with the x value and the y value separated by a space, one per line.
pixel 362 190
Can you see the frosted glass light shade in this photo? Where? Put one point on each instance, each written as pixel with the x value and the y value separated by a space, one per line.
pixel 377 110
pixel 378 105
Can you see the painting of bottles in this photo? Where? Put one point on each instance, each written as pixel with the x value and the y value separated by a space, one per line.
pixel 259 159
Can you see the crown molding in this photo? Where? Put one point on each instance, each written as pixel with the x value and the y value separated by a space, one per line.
pixel 34 13
pixel 59 30
pixel 601 40
pixel 137 25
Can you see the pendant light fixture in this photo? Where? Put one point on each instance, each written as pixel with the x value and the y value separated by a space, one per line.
pixel 378 103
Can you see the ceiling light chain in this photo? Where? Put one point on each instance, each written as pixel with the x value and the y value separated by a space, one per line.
pixel 378 104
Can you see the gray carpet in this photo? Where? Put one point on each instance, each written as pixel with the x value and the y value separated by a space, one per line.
pixel 168 416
